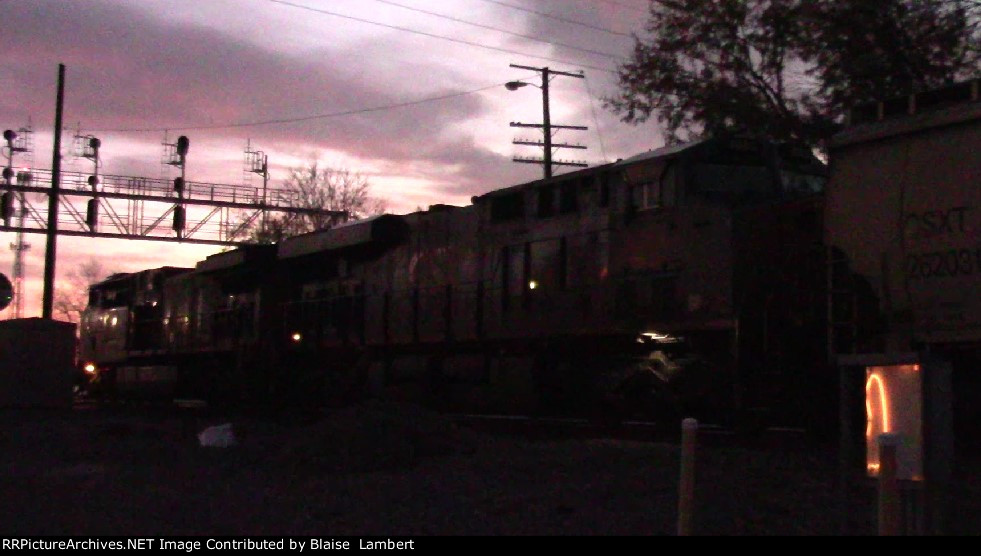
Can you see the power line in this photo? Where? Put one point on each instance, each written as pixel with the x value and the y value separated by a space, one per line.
pixel 442 37
pixel 627 6
pixel 303 118
pixel 592 108
pixel 558 18
pixel 498 29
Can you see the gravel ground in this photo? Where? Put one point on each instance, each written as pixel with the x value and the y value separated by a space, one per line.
pixel 382 470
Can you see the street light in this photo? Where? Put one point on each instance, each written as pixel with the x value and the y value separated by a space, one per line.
pixel 546 121
pixel 546 126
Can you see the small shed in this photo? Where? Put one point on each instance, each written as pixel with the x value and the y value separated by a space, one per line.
pixel 37 363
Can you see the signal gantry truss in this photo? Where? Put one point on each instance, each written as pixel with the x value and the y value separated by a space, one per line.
pixel 127 207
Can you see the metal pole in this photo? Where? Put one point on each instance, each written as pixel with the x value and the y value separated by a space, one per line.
pixel 889 502
pixel 180 194
pixel 51 244
pixel 686 484
pixel 265 183
pixel 547 125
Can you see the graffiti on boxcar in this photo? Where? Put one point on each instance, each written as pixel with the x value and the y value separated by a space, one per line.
pixel 935 223
pixel 946 263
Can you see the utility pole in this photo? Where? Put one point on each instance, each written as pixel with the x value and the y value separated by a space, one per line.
pixel 51 244
pixel 546 125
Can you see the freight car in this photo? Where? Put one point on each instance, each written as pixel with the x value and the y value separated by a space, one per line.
pixel 904 232
pixel 684 279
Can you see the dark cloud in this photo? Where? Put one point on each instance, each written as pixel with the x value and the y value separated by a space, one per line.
pixel 128 69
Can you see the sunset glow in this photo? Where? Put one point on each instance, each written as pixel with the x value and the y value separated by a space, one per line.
pixel 425 118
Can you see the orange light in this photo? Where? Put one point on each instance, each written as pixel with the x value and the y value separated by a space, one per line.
pixel 883 404
pixel 297 336
pixel 90 368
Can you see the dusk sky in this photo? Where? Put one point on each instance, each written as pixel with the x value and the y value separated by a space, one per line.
pixel 137 68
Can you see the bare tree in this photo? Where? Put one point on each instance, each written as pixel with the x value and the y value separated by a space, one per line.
pixel 72 295
pixel 316 187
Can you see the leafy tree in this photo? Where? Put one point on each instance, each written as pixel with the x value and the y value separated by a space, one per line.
pixel 788 69
pixel 864 51
pixel 315 187
pixel 72 294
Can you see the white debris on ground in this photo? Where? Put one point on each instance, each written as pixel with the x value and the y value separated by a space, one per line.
pixel 218 436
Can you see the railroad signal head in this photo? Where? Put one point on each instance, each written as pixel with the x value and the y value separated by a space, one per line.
pixel 8 173
pixel 183 143
pixel 9 135
pixel 6 292
pixel 92 214
pixel 93 181
pixel 178 219
pixel 7 207
pixel 179 185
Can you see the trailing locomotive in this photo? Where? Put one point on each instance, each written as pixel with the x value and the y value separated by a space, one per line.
pixel 684 279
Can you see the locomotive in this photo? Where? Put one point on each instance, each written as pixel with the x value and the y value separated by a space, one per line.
pixel 715 278
pixel 678 277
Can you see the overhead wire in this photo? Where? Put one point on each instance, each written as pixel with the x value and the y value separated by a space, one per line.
pixel 592 108
pixel 289 120
pixel 558 18
pixel 441 37
pixel 626 6
pixel 296 119
pixel 498 29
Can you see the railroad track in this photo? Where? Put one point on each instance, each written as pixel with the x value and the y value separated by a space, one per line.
pixel 525 426
pixel 546 428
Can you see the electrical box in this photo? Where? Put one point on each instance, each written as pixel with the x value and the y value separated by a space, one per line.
pixel 907 394
pixel 894 404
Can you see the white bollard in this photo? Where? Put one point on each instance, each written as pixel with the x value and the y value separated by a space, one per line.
pixel 889 503
pixel 686 487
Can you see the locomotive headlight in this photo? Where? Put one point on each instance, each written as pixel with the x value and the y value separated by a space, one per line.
pixel 114 321
pixel 90 368
pixel 296 336
pixel 532 285
pixel 658 338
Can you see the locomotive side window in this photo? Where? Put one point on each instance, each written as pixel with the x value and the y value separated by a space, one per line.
pixel 507 207
pixel 658 192
pixel 732 183
pixel 546 201
pixel 664 296
pixel 604 190
pixel 547 264
pixel 567 198
pixel 644 195
pixel 796 183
